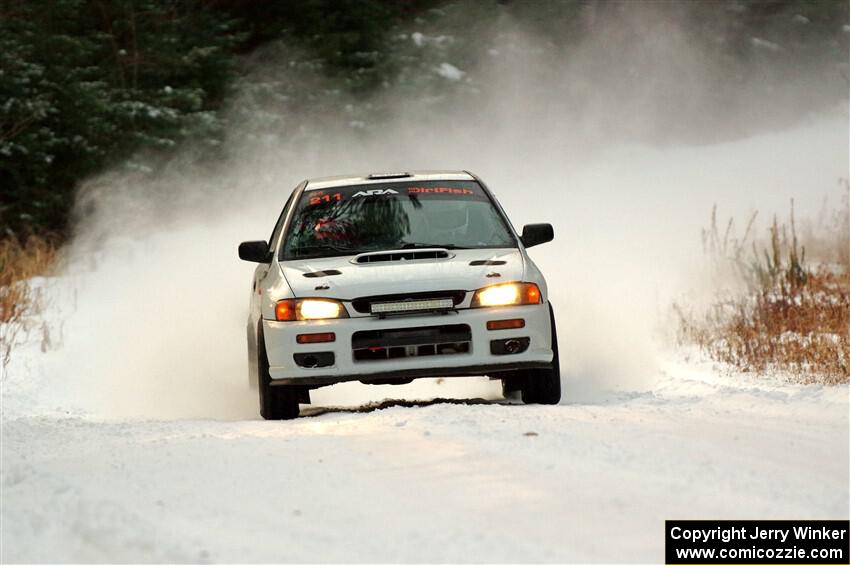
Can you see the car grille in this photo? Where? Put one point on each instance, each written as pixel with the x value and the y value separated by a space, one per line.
pixel 397 343
pixel 364 304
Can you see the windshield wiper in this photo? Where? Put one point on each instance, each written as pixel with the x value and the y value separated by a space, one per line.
pixel 410 245
pixel 308 250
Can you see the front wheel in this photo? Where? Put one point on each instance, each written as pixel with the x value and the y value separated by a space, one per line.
pixel 276 402
pixel 543 386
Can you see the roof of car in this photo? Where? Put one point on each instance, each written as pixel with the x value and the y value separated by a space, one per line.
pixel 384 177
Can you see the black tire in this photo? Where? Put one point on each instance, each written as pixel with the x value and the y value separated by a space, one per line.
pixel 276 402
pixel 543 386
pixel 512 385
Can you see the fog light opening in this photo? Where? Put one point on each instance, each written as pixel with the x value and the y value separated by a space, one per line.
pixel 510 346
pixel 314 360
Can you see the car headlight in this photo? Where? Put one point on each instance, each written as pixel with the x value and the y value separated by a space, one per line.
pixel 508 294
pixel 309 309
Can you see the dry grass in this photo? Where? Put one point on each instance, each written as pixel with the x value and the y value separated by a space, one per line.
pixel 792 318
pixel 827 237
pixel 20 262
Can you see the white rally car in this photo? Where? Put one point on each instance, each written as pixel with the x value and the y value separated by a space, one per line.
pixel 390 277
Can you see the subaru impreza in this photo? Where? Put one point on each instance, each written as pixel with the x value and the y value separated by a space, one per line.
pixel 386 278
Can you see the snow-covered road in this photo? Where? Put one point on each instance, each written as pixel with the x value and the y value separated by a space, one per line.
pixel 487 481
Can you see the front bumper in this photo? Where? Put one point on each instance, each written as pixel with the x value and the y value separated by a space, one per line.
pixel 281 347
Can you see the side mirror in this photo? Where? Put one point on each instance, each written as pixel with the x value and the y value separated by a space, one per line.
pixel 254 251
pixel 535 234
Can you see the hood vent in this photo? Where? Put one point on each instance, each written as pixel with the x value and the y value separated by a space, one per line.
pixel 417 255
pixel 480 262
pixel 317 274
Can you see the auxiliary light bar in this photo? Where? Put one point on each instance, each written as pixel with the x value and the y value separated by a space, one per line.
pixel 412 306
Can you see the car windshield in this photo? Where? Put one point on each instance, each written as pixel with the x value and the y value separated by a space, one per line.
pixel 399 215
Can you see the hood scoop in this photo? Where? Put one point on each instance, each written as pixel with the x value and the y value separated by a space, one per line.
pixel 417 255
pixel 480 262
pixel 317 274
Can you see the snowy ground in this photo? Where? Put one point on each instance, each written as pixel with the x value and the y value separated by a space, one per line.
pixel 479 481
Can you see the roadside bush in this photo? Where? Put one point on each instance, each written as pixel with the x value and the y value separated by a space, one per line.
pixel 19 297
pixel 791 318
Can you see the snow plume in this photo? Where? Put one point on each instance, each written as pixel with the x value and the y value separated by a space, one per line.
pixel 622 138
